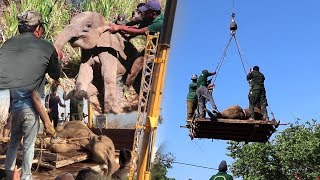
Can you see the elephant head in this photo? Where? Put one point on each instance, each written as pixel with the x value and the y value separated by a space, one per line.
pixel 88 30
pixel 83 31
pixel 103 151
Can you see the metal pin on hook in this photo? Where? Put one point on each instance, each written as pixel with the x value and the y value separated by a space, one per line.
pixel 233 25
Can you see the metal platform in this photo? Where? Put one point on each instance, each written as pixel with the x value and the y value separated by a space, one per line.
pixel 232 129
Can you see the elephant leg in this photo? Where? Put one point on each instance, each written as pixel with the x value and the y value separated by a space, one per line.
pixel 64 147
pixel 84 79
pixel 109 66
pixel 94 101
pixel 135 69
pixel 85 75
pixel 120 69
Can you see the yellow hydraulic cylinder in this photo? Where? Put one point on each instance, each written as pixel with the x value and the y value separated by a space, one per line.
pixel 90 115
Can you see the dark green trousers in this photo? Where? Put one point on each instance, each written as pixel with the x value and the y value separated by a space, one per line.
pixel 191 108
pixel 258 98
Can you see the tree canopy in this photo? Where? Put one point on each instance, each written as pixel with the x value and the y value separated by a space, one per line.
pixel 160 166
pixel 294 151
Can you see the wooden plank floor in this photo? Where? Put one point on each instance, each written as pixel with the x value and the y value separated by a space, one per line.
pixel 233 129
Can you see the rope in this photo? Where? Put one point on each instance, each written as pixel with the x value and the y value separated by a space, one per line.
pixel 41 150
pixel 241 58
pixel 238 44
pixel 187 164
pixel 271 112
pixel 193 165
pixel 224 54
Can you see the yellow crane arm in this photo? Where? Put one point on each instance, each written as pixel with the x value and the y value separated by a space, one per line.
pixel 158 80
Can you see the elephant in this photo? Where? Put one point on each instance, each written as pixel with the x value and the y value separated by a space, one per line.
pixel 106 56
pixel 233 112
pixel 75 135
pixel 236 112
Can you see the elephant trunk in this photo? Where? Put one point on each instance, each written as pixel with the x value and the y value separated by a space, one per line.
pixel 65 36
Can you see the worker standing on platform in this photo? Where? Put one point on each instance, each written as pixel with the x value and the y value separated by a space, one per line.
pixel 76 102
pixel 204 94
pixel 257 94
pixel 222 174
pixel 192 99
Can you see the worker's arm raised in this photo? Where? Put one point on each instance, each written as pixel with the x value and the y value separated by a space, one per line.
pixel 249 76
pixel 128 29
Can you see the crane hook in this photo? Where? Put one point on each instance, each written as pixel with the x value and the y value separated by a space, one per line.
pixel 233 25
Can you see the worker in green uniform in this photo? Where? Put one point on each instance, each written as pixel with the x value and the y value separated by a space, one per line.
pixel 257 94
pixel 192 99
pixel 222 174
pixel 152 23
pixel 76 102
pixel 152 13
pixel 203 93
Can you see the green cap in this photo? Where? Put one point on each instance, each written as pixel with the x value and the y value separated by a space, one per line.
pixel 30 18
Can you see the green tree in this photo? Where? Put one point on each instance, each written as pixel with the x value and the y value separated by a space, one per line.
pixel 294 150
pixel 160 166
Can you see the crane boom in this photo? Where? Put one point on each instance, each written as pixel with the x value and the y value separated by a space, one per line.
pixel 155 96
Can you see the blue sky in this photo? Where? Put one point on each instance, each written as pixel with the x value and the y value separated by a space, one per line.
pixel 279 36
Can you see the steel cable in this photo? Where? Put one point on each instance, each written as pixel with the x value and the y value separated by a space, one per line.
pixel 218 67
pixel 241 58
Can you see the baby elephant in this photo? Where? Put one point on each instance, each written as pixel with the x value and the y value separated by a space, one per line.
pixel 76 135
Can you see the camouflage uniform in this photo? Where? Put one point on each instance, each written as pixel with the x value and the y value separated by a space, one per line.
pixel 76 103
pixel 257 94
pixel 192 99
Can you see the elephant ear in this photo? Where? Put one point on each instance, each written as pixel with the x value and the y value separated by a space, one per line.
pixel 114 41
